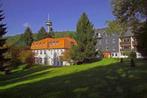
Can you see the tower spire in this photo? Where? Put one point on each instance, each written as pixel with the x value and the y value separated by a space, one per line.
pixel 49 24
pixel 48 16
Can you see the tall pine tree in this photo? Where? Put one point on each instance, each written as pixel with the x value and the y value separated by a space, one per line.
pixel 28 36
pixel 3 49
pixel 85 50
pixel 42 33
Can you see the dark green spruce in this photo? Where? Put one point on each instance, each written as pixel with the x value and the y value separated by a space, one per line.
pixel 27 37
pixel 4 66
pixel 42 34
pixel 85 50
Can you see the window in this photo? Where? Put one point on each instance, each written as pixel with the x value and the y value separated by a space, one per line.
pixel 113 49
pixel 51 52
pixel 40 51
pixel 40 60
pixel 113 41
pixel 106 41
pixel 112 54
pixel 53 42
pixel 44 51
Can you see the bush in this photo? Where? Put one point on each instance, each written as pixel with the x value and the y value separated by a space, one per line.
pixel 26 56
pixel 132 54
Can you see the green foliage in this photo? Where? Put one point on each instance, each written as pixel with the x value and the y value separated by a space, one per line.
pixel 27 57
pixel 4 66
pixel 85 50
pixel 27 37
pixel 42 34
pixel 134 14
pixel 51 34
pixel 74 53
pixel 132 55
pixel 142 38
pixel 65 34
pixel 66 56
pixel 20 55
pixel 12 40
pixel 13 54
pixel 116 27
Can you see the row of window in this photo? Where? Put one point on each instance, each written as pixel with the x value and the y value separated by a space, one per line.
pixel 45 51
pixel 50 43
pixel 114 54
pixel 54 43
pixel 39 51
pixel 125 40
pixel 40 60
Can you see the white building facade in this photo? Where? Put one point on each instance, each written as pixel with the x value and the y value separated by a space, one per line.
pixel 49 51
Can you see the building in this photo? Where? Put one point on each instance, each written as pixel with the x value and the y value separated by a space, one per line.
pixel 107 42
pixel 116 45
pixel 128 43
pixel 49 50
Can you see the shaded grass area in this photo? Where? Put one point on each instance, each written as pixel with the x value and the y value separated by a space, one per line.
pixel 104 79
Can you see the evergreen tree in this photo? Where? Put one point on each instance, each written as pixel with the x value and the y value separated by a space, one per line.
pixel 85 50
pixel 42 33
pixel 51 33
pixel 3 49
pixel 27 37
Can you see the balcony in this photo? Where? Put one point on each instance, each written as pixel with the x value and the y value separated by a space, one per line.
pixel 125 43
pixel 134 43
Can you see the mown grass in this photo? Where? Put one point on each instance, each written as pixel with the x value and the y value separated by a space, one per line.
pixel 104 79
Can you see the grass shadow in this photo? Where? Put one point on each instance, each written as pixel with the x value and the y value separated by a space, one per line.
pixel 114 81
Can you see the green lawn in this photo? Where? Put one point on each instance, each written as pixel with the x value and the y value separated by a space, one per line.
pixel 104 79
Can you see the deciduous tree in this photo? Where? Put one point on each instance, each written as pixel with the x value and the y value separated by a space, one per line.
pixel 134 13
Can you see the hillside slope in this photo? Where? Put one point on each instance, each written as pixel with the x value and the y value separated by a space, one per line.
pixel 17 41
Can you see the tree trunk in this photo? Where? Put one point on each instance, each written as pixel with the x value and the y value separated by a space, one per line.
pixel 132 62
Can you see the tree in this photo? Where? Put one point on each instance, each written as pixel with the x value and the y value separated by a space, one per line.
pixel 27 37
pixel 3 49
pixel 66 56
pixel 27 57
pixel 134 13
pixel 51 33
pixel 42 33
pixel 115 27
pixel 13 54
pixel 85 50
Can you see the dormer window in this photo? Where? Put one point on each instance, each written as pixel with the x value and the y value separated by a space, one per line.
pixel 98 35
pixel 53 43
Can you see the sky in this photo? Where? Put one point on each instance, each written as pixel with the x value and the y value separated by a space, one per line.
pixel 63 13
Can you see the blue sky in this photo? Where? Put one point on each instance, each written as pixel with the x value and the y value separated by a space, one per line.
pixel 63 13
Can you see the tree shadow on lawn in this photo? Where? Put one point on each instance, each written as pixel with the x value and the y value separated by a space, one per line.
pixel 112 81
pixel 24 75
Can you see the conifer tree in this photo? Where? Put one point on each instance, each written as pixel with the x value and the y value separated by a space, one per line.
pixel 42 33
pixel 85 50
pixel 28 36
pixel 3 49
